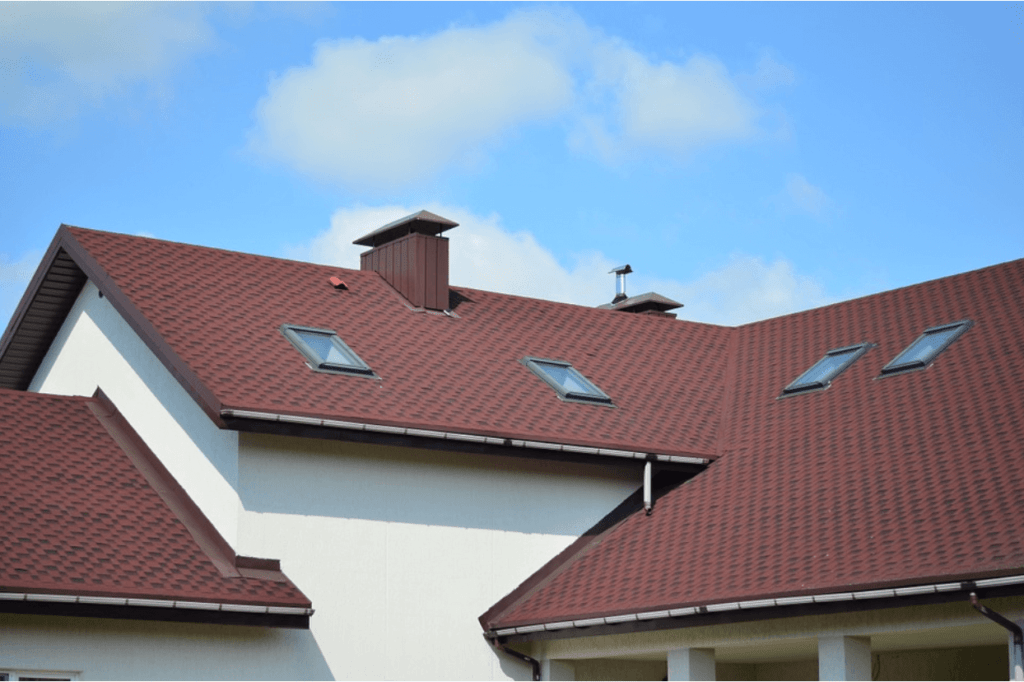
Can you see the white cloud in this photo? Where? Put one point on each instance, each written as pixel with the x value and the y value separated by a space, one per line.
pixel 746 289
pixel 53 55
pixel 399 109
pixel 485 255
pixel 805 196
pixel 771 74
pixel 14 279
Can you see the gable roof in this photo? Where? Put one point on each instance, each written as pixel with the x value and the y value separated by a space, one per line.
pixel 876 482
pixel 92 524
pixel 213 317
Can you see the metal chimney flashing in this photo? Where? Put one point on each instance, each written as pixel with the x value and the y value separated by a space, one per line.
pixel 422 222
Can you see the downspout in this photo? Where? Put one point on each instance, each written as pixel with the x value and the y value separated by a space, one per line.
pixel 534 663
pixel 648 495
pixel 1018 636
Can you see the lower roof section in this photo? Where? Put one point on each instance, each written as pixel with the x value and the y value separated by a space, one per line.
pixel 91 523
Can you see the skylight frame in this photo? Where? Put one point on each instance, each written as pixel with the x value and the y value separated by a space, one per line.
pixel 315 362
pixel 799 386
pixel 594 395
pixel 894 366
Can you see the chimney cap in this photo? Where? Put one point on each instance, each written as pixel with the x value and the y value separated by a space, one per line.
pixel 621 270
pixel 423 222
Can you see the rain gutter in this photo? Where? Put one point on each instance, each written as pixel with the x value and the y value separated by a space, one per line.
pixel 156 603
pixel 464 437
pixel 720 607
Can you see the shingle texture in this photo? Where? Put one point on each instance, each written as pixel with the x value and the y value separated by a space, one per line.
pixel 873 482
pixel 220 312
pixel 77 517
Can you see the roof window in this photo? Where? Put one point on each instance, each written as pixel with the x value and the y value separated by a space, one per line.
pixel 567 381
pixel 926 348
pixel 834 363
pixel 325 351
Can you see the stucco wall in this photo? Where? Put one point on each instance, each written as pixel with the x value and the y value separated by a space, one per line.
pixel 401 550
pixel 96 347
pixel 111 649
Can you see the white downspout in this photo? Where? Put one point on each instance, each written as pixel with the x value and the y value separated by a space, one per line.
pixel 648 501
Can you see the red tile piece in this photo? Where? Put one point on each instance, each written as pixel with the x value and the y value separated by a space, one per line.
pixel 77 517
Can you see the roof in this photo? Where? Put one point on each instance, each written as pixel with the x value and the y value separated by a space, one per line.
pixel 875 482
pixel 213 318
pixel 423 221
pixel 89 513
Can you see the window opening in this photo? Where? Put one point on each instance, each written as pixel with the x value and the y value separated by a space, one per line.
pixel 927 347
pixel 325 351
pixel 821 374
pixel 568 383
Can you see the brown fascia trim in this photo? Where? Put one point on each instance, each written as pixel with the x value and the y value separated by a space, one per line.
pixel 174 496
pixel 177 614
pixel 634 504
pixel 178 368
pixel 956 590
pixel 309 427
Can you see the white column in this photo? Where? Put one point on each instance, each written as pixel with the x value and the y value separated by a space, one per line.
pixel 844 658
pixel 556 670
pixel 1016 662
pixel 691 664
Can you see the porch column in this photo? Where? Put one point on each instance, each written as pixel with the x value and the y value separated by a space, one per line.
pixel 556 670
pixel 691 664
pixel 1016 662
pixel 844 658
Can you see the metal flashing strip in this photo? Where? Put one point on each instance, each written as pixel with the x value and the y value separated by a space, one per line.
pixel 913 590
pixel 155 603
pixel 466 437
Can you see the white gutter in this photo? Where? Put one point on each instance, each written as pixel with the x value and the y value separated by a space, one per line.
pixel 463 437
pixel 156 603
pixel 932 588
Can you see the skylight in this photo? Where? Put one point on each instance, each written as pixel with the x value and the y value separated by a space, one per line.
pixel 567 381
pixel 828 368
pixel 924 350
pixel 325 351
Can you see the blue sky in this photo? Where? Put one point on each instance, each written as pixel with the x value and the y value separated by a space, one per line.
pixel 746 159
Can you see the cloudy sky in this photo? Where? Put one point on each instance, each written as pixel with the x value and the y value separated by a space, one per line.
pixel 746 159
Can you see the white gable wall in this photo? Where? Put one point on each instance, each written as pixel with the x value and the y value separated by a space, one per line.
pixel 96 347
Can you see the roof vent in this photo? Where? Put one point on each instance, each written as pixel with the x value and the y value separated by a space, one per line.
pixel 411 256
pixel 620 282
pixel 646 304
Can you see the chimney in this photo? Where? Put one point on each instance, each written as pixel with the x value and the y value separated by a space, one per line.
pixel 412 257
pixel 620 282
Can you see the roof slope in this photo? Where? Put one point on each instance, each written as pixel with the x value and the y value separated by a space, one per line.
pixel 78 517
pixel 901 480
pixel 220 313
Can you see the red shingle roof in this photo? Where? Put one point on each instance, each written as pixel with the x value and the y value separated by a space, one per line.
pixel 873 482
pixel 77 516
pixel 220 312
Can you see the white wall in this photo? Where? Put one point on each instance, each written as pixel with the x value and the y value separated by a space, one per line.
pixel 401 550
pixel 96 347
pixel 111 649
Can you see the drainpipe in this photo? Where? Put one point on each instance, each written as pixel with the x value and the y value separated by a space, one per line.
pixel 534 663
pixel 1018 636
pixel 648 495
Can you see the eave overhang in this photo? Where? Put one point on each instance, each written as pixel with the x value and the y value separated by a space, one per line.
pixel 52 292
pixel 719 613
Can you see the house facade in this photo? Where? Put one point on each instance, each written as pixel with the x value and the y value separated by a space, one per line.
pixel 620 494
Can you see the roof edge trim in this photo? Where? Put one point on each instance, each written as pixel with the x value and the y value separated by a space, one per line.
pixel 155 603
pixel 140 324
pixel 466 437
pixel 770 602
